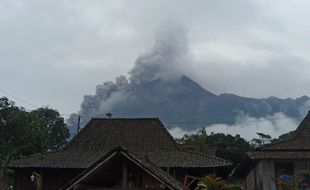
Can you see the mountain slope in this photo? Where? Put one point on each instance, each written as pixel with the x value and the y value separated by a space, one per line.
pixel 183 103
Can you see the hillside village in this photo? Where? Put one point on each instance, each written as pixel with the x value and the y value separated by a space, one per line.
pixel 139 153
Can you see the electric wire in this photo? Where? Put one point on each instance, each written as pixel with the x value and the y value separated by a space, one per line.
pixel 26 102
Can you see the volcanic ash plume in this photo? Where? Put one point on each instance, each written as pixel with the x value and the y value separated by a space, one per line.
pixel 163 61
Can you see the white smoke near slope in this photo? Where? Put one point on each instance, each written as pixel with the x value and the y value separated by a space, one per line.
pixel 304 108
pixel 247 127
pixel 178 132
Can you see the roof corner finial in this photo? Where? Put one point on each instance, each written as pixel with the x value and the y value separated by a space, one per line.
pixel 109 115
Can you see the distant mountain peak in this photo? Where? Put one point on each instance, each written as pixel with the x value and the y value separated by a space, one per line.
pixel 182 101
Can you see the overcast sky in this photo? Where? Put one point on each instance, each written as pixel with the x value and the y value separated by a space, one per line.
pixel 53 52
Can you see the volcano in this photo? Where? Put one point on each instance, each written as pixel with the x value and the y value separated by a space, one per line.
pixel 185 104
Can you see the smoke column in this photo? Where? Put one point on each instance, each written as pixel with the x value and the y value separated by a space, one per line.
pixel 163 61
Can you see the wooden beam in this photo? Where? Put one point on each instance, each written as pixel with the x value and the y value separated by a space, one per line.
pixel 125 174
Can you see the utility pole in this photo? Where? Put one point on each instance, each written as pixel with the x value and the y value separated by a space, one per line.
pixel 78 127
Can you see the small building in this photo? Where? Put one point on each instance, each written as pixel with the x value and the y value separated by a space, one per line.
pixel 148 151
pixel 273 160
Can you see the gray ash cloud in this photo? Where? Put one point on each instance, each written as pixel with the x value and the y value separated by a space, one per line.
pixel 164 61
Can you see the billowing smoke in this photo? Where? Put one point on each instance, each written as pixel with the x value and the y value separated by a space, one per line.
pixel 157 88
pixel 163 61
pixel 247 127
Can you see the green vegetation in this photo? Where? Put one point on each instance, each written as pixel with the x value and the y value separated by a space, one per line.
pixel 233 148
pixel 230 147
pixel 23 133
pixel 212 182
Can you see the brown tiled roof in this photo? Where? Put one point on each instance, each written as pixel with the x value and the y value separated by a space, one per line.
pixel 300 141
pixel 143 136
pixel 298 147
pixel 145 164
pixel 279 155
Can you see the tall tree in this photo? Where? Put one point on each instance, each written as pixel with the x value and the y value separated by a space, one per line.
pixel 23 133
pixel 15 131
pixel 53 127
pixel 230 147
pixel 261 140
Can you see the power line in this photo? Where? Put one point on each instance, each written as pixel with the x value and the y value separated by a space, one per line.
pixel 19 99
pixel 26 102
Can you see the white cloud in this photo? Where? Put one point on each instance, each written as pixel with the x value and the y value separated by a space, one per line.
pixel 247 127
pixel 178 132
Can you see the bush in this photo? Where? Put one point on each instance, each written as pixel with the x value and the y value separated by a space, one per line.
pixel 212 182
pixel 232 187
pixel 6 178
pixel 303 180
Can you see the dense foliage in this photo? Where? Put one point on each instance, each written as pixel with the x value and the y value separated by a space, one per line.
pixel 23 133
pixel 230 147
pixel 212 182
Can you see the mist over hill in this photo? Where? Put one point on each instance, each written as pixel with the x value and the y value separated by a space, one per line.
pixel 157 87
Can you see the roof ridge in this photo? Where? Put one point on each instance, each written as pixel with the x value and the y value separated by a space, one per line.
pixel 210 156
pixel 169 135
pixel 125 118
pixel 298 131
pixel 302 125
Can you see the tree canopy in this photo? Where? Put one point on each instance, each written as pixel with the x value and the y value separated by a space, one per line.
pixel 23 133
pixel 230 147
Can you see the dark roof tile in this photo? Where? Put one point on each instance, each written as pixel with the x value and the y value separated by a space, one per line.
pixel 297 147
pixel 143 136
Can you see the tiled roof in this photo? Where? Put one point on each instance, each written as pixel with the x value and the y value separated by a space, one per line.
pixel 145 137
pixel 279 155
pixel 300 141
pixel 146 165
pixel 298 147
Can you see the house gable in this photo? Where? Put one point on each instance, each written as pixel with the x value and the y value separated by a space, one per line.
pixel 122 169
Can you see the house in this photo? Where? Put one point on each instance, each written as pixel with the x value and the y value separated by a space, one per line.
pixel 273 160
pixel 144 140
pixel 121 168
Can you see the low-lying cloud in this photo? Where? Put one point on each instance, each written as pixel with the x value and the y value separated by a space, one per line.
pixel 247 127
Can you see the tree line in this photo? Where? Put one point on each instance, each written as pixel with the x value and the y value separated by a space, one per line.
pixel 233 148
pixel 24 133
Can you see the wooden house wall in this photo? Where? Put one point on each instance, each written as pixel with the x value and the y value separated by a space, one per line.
pixel 52 179
pixel 111 177
pixel 261 177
